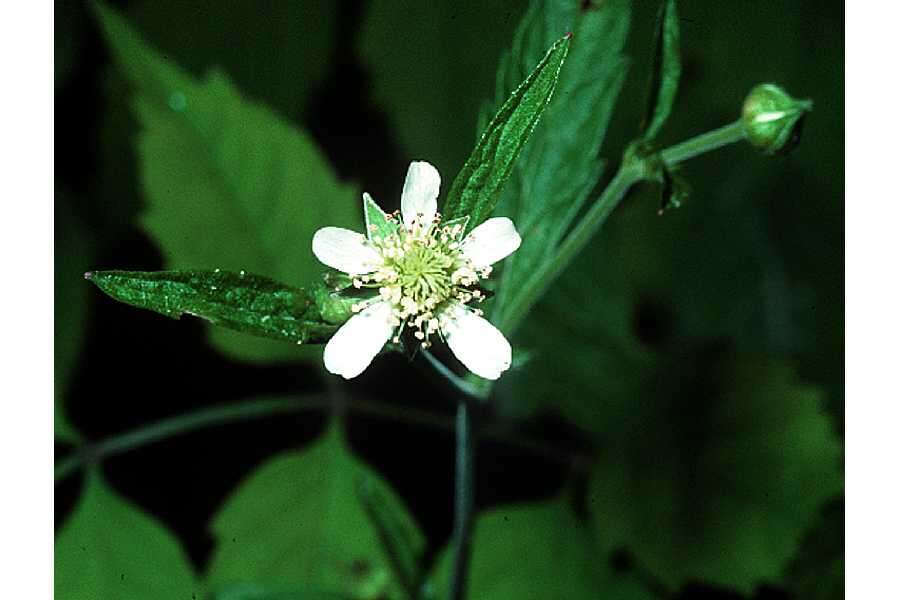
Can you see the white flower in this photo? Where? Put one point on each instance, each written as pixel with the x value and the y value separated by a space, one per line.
pixel 423 275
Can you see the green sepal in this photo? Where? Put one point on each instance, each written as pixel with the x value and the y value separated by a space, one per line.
pixel 336 280
pixel 666 71
pixel 378 223
pixel 476 190
pixel 335 307
pixel 463 221
pixel 239 301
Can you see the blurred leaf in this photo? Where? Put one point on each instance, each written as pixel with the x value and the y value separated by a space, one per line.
pixel 535 552
pixel 298 520
pixel 110 549
pixel 253 591
pixel 559 167
pixel 801 196
pixel 665 71
pixel 432 65
pixel 274 55
pixel 648 286
pixel 476 189
pixel 73 255
pixel 239 301
pixel 402 542
pixel 229 184
pixel 716 477
pixel 68 40
pixel 817 570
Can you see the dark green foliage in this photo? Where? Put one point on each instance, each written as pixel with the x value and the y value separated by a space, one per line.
pixel 431 65
pixel 665 71
pixel 238 301
pixel 256 591
pixel 560 166
pixel 476 189
pixel 247 43
pixel 728 442
pixel 693 355
pixel 817 571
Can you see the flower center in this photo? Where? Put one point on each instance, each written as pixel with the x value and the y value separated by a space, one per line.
pixel 424 271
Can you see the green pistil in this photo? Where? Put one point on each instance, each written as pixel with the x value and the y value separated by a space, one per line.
pixel 425 273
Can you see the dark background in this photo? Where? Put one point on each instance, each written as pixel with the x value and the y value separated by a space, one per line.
pixel 727 48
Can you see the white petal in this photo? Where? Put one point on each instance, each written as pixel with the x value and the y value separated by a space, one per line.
pixel 356 343
pixel 418 204
pixel 345 251
pixel 493 240
pixel 476 343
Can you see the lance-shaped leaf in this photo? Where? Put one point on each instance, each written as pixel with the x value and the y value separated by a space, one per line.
pixel 238 301
pixel 476 190
pixel 560 166
pixel 228 183
pixel 666 70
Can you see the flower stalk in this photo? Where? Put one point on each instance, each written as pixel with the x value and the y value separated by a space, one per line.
pixel 464 500
pixel 703 143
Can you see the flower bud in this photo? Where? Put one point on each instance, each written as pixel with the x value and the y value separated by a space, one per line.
pixel 773 119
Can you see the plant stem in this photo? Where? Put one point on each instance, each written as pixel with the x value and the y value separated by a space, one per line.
pixel 630 172
pixel 464 501
pixel 217 415
pixel 466 387
pixel 267 407
pixel 577 239
pixel 705 142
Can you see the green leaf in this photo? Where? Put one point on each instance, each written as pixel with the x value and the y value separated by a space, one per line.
pixel 74 253
pixel 298 520
pixel 717 478
pixel 229 184
pixel 666 70
pixel 535 552
pixel 559 167
pixel 378 224
pixel 254 591
pixel 476 189
pixel 430 65
pixel 238 301
pixel 402 542
pixel 109 548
